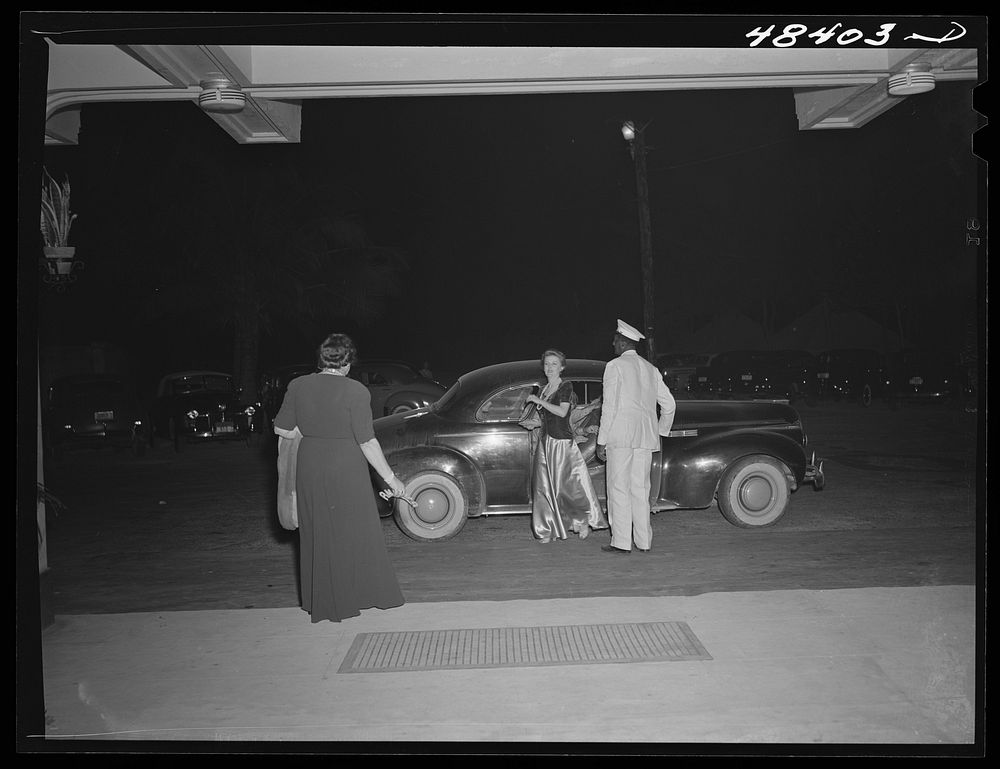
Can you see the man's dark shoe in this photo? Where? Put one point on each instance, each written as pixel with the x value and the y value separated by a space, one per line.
pixel 613 549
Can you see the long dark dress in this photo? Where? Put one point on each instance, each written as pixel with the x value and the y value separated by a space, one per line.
pixel 563 497
pixel 344 564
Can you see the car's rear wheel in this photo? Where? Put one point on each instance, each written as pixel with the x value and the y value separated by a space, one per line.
pixel 441 507
pixel 401 408
pixel 754 492
pixel 865 397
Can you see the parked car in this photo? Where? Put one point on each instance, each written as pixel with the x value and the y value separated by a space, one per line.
pixel 274 384
pixel 768 374
pixel 678 368
pixel 91 411
pixel 853 374
pixel 465 456
pixel 919 376
pixel 203 406
pixel 395 386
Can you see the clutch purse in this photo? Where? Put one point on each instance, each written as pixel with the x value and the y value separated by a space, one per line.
pixel 531 419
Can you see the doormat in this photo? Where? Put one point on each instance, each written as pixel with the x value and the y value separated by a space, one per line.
pixel 499 647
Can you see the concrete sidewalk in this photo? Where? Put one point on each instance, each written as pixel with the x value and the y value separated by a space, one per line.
pixel 860 666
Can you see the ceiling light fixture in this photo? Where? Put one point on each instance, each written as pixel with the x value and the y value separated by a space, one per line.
pixel 915 78
pixel 221 95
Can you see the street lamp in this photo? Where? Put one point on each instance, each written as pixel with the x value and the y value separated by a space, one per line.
pixel 637 148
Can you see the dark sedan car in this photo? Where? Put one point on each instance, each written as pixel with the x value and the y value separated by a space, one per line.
pixel 465 456
pixel 853 374
pixel 202 406
pixel 91 411
pixel 913 376
pixel 395 386
pixel 679 368
pixel 764 374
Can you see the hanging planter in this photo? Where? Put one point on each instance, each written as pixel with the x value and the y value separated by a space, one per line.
pixel 56 222
pixel 59 259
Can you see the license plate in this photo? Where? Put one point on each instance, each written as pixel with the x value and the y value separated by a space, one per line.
pixel 703 379
pixel 101 416
pixel 823 375
pixel 746 377
pixel 916 380
pixel 225 427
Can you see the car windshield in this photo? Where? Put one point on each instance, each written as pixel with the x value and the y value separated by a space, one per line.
pixel 202 383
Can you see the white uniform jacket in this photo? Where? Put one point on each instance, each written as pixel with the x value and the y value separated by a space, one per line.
pixel 633 387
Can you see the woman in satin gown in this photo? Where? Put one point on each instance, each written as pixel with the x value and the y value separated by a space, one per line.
pixel 343 562
pixel 563 495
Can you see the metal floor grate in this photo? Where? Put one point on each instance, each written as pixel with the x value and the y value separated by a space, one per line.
pixel 522 647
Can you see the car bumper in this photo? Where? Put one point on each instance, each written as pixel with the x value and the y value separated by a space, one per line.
pixel 814 473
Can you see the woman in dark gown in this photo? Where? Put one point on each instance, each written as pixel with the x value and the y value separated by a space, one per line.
pixel 563 495
pixel 344 564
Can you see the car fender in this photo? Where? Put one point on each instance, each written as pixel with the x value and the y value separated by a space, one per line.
pixel 414 398
pixel 690 473
pixel 407 462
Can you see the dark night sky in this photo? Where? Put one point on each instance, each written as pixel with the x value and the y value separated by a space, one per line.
pixel 518 216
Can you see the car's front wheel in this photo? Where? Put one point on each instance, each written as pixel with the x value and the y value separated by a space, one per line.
pixel 865 397
pixel 400 408
pixel 441 507
pixel 754 492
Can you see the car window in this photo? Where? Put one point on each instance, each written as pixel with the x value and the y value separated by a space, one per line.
pixel 587 390
pixel 506 405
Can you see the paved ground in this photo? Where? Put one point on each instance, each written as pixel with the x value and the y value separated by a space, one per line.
pixel 851 624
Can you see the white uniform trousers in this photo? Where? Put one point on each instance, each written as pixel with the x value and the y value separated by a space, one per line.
pixel 628 497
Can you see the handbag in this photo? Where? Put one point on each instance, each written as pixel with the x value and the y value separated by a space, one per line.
pixel 531 419
pixel 288 513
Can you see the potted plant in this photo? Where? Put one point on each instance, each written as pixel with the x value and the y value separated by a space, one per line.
pixel 56 221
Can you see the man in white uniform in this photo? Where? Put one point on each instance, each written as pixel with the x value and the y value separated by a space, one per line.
pixel 628 436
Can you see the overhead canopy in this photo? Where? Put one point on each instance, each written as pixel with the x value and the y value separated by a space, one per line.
pixel 833 88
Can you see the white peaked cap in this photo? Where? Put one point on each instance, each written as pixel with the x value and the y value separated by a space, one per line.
pixel 630 332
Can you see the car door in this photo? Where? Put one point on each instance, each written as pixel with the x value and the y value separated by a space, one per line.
pixel 501 449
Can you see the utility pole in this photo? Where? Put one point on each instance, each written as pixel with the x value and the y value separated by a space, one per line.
pixel 637 148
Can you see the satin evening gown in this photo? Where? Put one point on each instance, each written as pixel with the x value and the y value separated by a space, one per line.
pixel 563 497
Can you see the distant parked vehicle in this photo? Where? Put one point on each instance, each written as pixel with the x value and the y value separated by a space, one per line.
pixel 851 374
pixel 758 374
pixel 275 383
pixel 395 386
pixel 678 368
pixel 91 411
pixel 200 405
pixel 914 376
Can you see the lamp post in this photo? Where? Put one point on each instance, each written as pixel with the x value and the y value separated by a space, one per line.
pixel 637 148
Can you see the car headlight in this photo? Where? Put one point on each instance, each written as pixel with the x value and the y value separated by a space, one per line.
pixel 137 423
pixel 249 411
pixel 193 414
